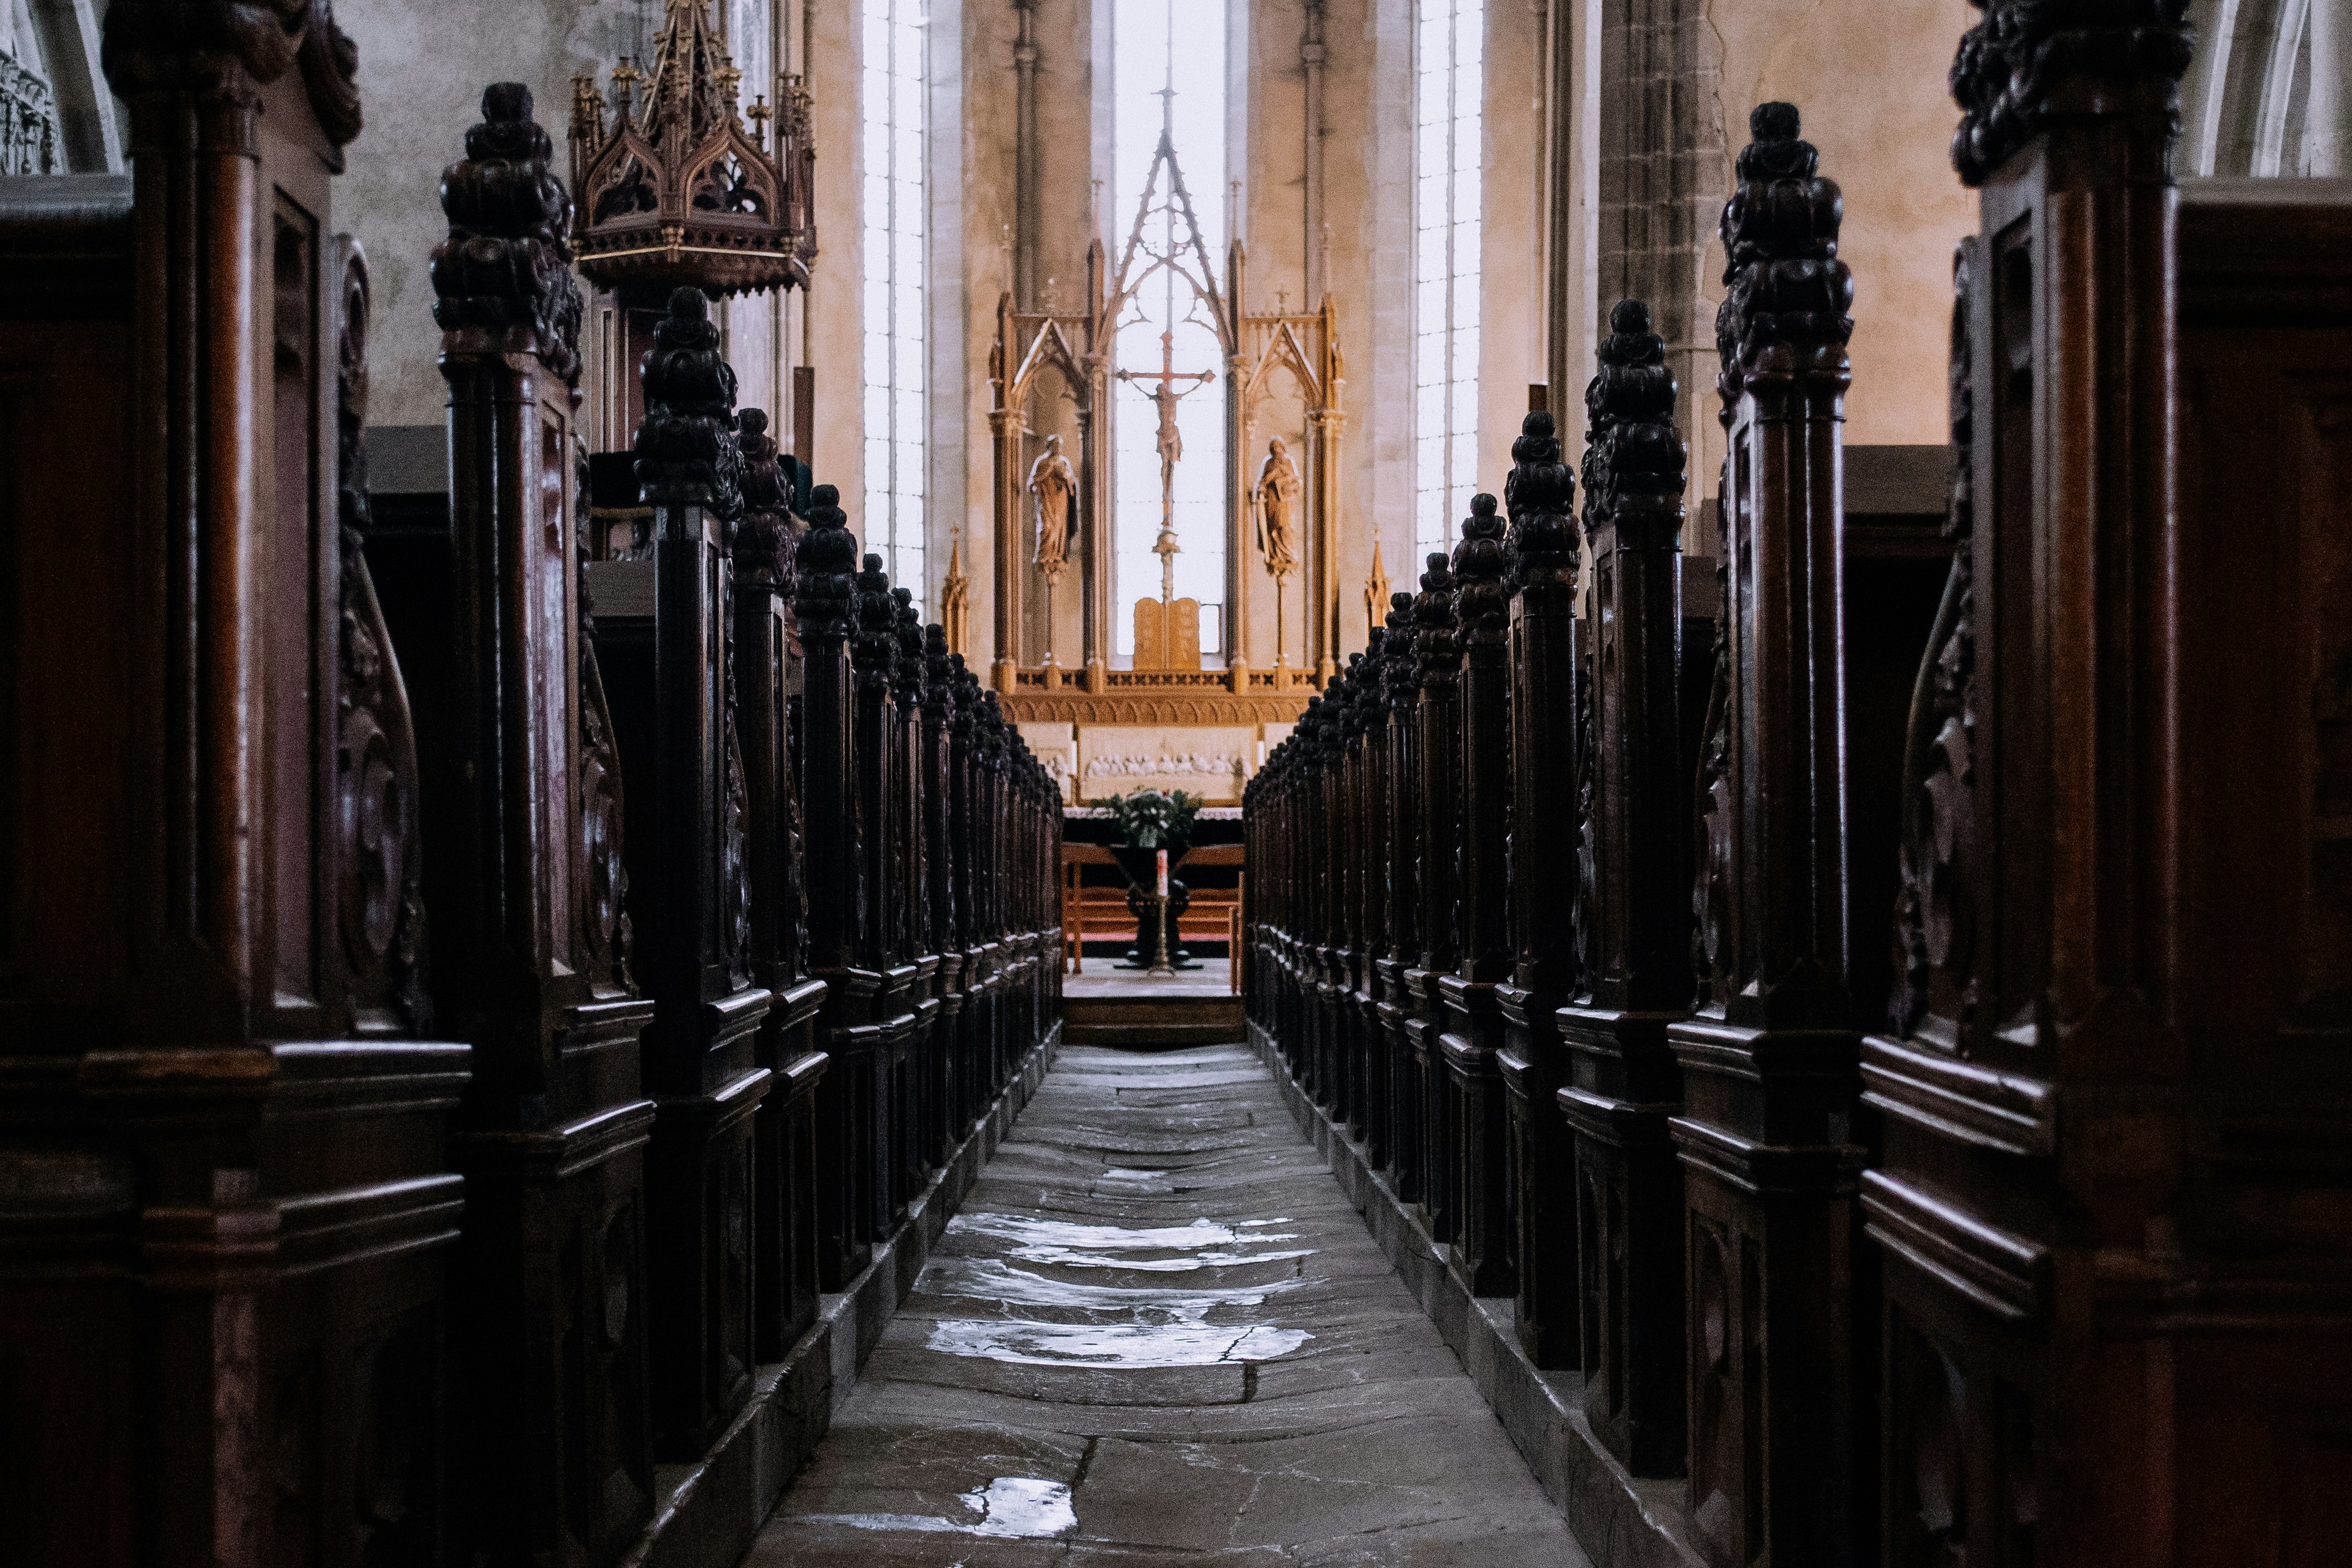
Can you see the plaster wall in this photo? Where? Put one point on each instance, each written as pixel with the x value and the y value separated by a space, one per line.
pixel 1870 78
pixel 421 71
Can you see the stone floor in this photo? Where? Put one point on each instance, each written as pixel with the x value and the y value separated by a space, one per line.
pixel 1159 1334
pixel 1104 977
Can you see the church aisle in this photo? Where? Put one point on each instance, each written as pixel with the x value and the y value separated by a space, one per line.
pixel 1159 1334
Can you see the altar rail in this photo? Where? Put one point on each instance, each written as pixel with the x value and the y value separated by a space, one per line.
pixel 2032 1240
pixel 449 1043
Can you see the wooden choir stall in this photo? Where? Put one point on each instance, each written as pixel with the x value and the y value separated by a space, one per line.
pixel 458 1048
pixel 2032 1243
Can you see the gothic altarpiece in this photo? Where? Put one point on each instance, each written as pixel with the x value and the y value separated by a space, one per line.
pixel 1166 721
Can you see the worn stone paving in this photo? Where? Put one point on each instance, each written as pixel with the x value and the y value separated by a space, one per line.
pixel 1159 1334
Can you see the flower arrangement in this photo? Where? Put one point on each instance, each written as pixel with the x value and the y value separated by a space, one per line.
pixel 1154 819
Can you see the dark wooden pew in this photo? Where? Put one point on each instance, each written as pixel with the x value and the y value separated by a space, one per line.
pixel 231 1204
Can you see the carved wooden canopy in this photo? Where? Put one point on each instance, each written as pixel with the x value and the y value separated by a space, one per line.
pixel 685 192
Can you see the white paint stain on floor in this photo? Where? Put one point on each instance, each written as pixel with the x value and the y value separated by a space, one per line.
pixel 993 1279
pixel 1113 1345
pixel 1142 1325
pixel 1203 1244
pixel 1020 1508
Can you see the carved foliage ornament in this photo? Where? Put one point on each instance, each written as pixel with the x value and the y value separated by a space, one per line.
pixel 1630 449
pixel 379 902
pixel 687 452
pixel 229 48
pixel 1786 294
pixel 2007 75
pixel 1433 618
pixel 828 571
pixel 1537 494
pixel 604 889
pixel 1933 914
pixel 505 268
pixel 1479 563
pixel 765 539
pixel 1400 676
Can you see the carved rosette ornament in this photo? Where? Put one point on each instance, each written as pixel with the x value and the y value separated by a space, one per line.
pixel 505 270
pixel 2009 75
pixel 681 192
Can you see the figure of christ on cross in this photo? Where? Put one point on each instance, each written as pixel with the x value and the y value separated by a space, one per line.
pixel 1165 397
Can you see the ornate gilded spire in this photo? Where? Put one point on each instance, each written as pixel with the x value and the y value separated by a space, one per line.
pixel 679 191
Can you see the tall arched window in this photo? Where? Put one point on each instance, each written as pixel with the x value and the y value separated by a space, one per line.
pixel 1169 80
pixel 891 213
pixel 1449 85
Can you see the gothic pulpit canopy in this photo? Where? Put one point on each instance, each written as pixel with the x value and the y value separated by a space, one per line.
pixel 680 191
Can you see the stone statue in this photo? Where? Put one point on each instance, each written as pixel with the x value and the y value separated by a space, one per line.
pixel 1276 494
pixel 1055 486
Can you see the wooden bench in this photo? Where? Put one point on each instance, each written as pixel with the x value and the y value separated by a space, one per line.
pixel 1101 911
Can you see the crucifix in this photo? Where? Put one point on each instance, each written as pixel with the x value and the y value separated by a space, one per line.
pixel 1165 397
